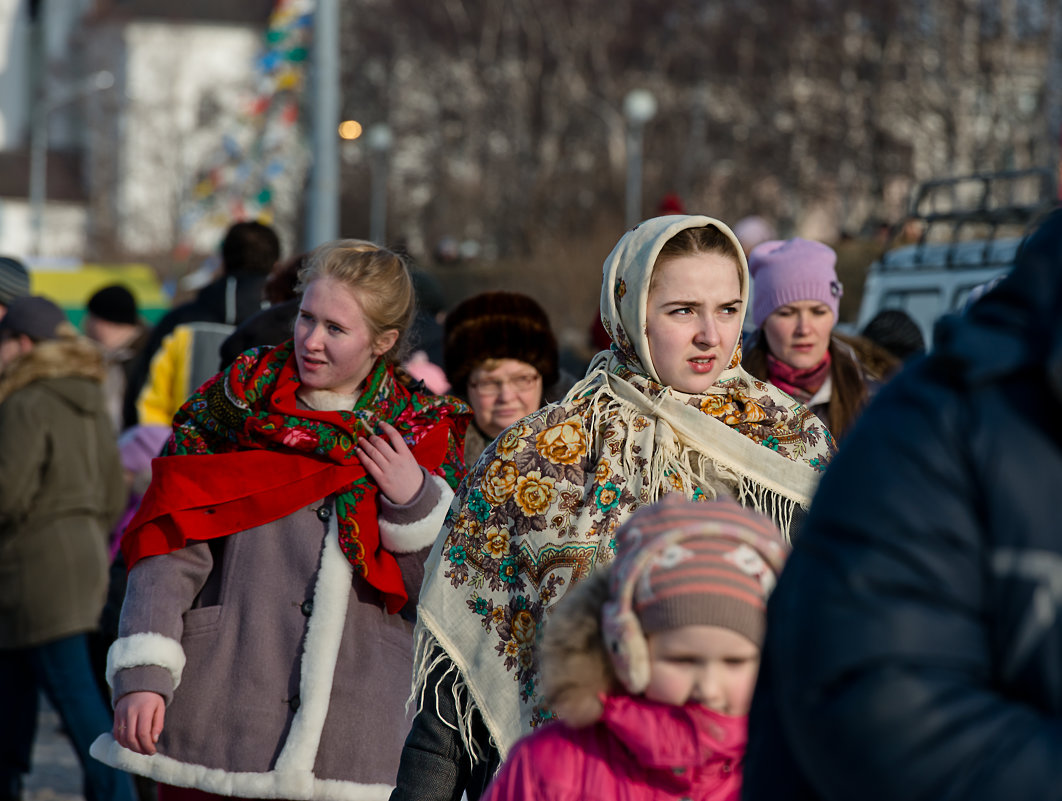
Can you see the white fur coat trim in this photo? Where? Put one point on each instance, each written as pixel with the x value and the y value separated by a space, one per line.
pixel 292 776
pixel 410 537
pixel 324 633
pixel 138 650
pixel 298 785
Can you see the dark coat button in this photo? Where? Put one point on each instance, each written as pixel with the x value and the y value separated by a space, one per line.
pixel 294 703
pixel 323 513
pixel 307 608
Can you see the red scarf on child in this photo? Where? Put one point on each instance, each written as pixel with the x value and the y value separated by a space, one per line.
pixel 242 455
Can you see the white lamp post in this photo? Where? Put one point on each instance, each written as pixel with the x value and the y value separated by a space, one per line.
pixel 322 218
pixel 38 178
pixel 379 141
pixel 639 106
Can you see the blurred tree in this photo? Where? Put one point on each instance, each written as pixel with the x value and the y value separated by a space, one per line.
pixel 818 113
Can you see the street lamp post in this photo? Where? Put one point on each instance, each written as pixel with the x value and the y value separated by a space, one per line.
pixel 379 140
pixel 38 177
pixel 322 219
pixel 639 106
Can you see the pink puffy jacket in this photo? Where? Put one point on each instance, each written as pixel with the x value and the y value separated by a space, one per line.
pixel 639 750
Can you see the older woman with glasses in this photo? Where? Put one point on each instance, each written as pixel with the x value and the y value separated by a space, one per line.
pixel 500 354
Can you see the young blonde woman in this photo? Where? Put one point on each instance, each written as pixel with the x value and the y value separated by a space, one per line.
pixel 265 645
pixel 667 409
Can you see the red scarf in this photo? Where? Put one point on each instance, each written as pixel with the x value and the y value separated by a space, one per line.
pixel 802 384
pixel 242 455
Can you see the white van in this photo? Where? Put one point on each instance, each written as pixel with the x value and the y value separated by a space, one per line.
pixel 971 229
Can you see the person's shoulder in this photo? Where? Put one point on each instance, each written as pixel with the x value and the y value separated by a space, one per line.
pixel 557 743
pixel 576 412
pixel 190 311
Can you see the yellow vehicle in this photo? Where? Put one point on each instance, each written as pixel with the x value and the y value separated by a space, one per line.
pixel 72 284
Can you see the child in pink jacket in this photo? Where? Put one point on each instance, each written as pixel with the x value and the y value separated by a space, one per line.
pixel 650 665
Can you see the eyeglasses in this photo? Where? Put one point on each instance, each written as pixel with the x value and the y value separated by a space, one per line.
pixel 488 387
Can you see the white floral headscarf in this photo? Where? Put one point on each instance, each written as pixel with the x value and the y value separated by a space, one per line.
pixel 538 511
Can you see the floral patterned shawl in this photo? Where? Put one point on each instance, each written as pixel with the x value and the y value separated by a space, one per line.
pixel 538 510
pixel 242 453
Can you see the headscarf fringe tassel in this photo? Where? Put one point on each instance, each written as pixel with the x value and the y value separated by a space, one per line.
pixel 428 655
pixel 692 466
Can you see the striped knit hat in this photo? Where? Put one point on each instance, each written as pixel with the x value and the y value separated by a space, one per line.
pixel 14 280
pixel 682 563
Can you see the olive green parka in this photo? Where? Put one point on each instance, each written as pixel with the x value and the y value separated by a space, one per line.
pixel 61 492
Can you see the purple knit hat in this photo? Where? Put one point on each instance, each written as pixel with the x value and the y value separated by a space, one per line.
pixel 790 270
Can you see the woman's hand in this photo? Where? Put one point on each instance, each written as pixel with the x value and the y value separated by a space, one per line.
pixel 391 464
pixel 138 720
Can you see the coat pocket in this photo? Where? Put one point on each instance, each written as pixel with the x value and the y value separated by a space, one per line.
pixel 203 620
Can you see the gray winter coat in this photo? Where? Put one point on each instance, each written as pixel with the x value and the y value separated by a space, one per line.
pixel 283 674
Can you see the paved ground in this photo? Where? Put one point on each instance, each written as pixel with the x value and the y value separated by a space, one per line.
pixel 56 772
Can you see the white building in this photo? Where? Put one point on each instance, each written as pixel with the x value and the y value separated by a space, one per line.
pixel 121 160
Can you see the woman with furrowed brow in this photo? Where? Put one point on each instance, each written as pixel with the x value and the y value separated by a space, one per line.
pixel 667 409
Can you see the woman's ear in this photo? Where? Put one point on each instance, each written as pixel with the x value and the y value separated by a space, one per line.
pixel 384 342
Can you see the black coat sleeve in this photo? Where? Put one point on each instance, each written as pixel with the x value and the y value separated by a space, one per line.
pixel 435 763
pixel 882 663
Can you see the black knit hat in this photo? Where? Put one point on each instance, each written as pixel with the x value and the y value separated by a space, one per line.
pixel 895 331
pixel 14 280
pixel 497 325
pixel 32 315
pixel 115 304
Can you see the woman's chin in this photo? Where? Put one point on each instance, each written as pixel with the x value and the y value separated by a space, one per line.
pixel 693 384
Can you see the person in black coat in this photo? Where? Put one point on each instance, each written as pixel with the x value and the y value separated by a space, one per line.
pixel 248 253
pixel 275 323
pixel 914 645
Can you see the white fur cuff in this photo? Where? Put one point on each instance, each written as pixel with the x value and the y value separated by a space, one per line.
pixel 138 650
pixel 410 537
pixel 239 784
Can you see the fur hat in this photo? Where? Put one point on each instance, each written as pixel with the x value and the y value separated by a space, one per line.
pixel 14 280
pixel 681 563
pixel 115 304
pixel 787 271
pixel 35 316
pixel 497 325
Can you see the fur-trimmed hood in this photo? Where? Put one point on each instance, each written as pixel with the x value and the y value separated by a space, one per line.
pixel 67 357
pixel 576 669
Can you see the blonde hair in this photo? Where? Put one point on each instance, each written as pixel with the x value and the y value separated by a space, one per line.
pixel 378 277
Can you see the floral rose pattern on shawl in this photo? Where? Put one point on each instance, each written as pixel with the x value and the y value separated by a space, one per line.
pixel 251 405
pixel 538 477
pixel 748 407
pixel 532 479
pixel 538 511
